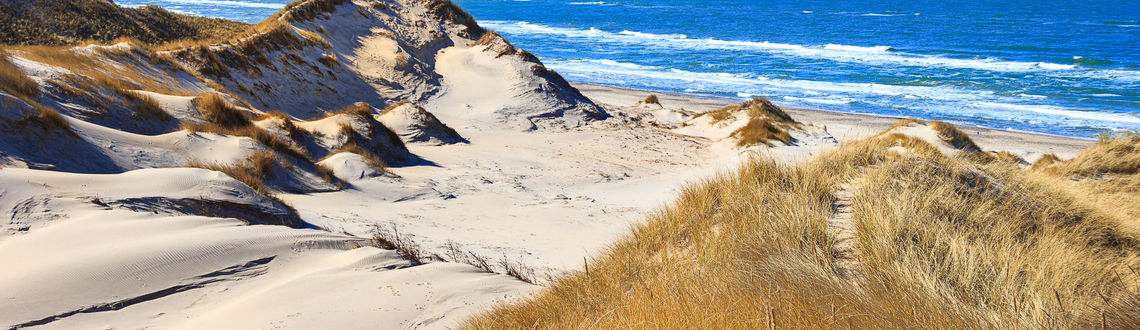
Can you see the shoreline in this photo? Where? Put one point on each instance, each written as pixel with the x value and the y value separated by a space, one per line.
pixel 852 126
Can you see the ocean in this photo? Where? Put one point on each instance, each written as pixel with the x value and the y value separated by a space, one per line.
pixel 1060 67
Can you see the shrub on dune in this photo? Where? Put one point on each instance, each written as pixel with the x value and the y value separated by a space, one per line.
pixel 651 99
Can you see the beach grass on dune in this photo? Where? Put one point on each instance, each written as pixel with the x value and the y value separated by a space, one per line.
pixel 944 241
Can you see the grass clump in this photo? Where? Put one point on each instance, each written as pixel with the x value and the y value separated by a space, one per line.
pixel 944 242
pixel 15 81
pixel 1112 155
pixel 217 111
pixel 148 106
pixel 954 136
pixel 304 10
pixel 358 109
pixel 651 99
pixel 758 107
pixel 372 159
pixel 450 11
pixel 766 122
pixel 760 131
pixel 291 130
pixel 328 60
pixel 253 171
pixel 390 238
pixel 223 118
pixel 1046 161
pixel 257 134
pixel 47 118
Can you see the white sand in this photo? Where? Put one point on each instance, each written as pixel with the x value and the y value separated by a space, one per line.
pixel 535 182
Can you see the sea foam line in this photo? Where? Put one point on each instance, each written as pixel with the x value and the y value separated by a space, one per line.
pixel 229 3
pixel 880 55
pixel 944 100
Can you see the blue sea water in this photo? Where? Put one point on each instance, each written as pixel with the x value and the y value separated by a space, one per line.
pixel 1051 66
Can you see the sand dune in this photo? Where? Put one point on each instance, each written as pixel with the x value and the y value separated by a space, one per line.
pixel 481 153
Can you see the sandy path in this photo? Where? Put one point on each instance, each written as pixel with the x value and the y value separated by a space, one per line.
pixel 841 225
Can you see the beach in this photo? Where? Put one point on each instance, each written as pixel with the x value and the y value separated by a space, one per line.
pixel 849 127
pixel 394 164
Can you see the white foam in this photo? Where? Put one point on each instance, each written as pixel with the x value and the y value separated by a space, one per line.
pixel 875 49
pixel 1056 111
pixel 929 100
pixel 229 3
pixel 842 101
pixel 873 55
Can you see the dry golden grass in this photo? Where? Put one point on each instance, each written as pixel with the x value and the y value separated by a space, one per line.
pixel 254 171
pixel 905 122
pixel 119 78
pixel 758 107
pixel 257 134
pixel 216 110
pixel 1118 154
pixel 760 131
pixel 304 10
pixel 148 106
pixel 48 118
pixel 358 109
pixel 1108 174
pixel 72 22
pixel 373 160
pixel 651 99
pixel 393 106
pixel 1046 161
pixel 15 81
pixel 766 122
pixel 291 130
pixel 954 136
pixel 224 118
pixel 945 242
pixel 449 11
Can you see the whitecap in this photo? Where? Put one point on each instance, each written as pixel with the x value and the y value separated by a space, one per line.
pixel 872 55
pixel 229 3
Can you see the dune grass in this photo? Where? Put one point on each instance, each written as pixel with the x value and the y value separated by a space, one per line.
pixel 223 118
pixel 147 106
pixel 217 111
pixel 760 131
pixel 651 99
pixel 15 81
pixel 73 22
pixel 954 136
pixel 393 106
pixel 253 172
pixel 372 159
pixel 1113 155
pixel 358 109
pixel 291 130
pixel 1108 174
pixel 946 242
pixel 766 122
